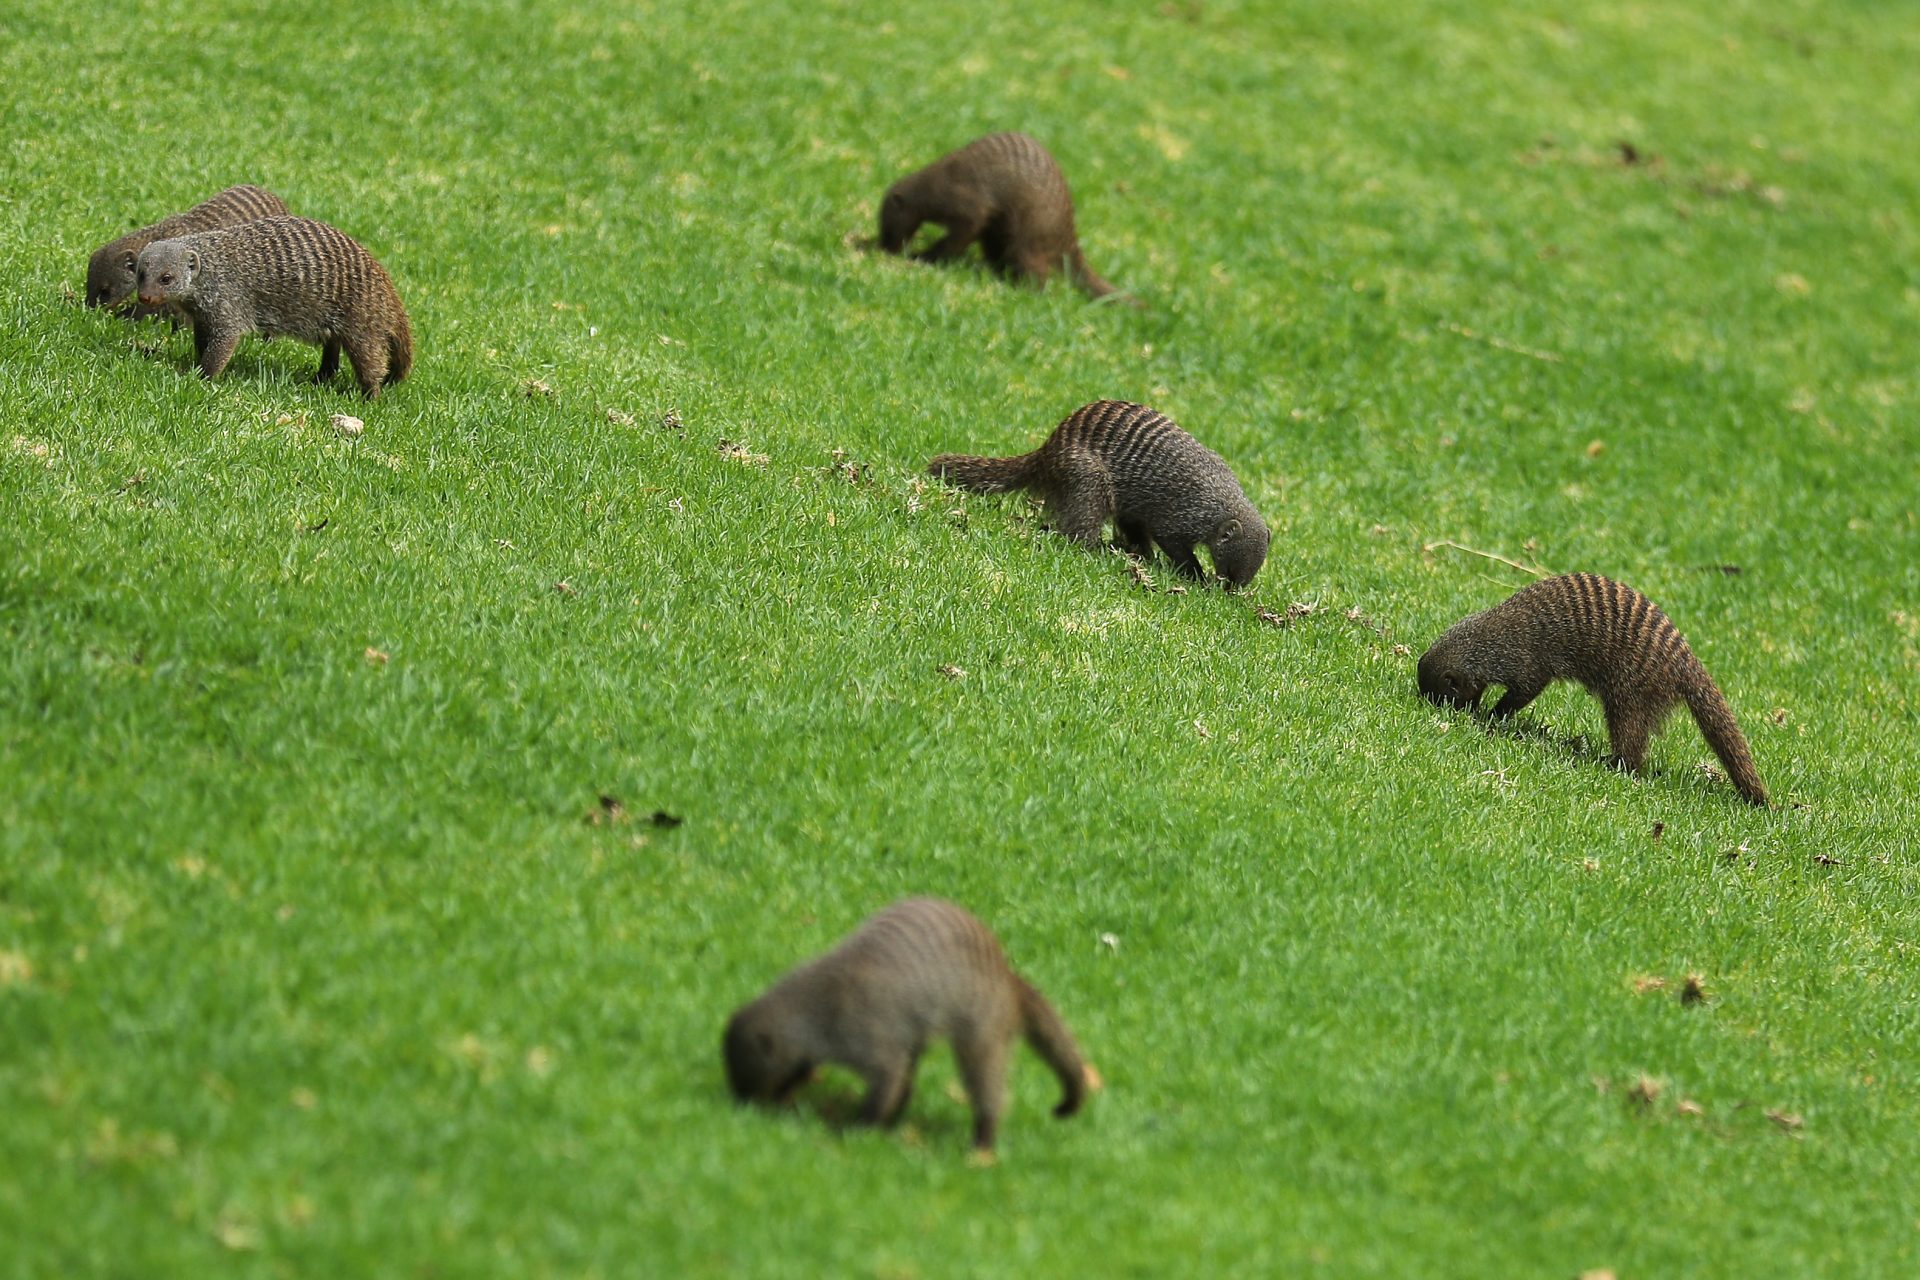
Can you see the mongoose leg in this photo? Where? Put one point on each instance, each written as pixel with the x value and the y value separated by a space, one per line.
pixel 329 361
pixel 1133 538
pixel 369 355
pixel 983 1069
pixel 1629 730
pixel 1035 266
pixel 888 1084
pixel 900 1104
pixel 218 349
pixel 1516 698
pixel 961 232
pixel 995 248
pixel 1186 562
pixel 1081 498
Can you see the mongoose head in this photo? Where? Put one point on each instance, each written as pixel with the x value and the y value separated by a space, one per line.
pixel 763 1064
pixel 1445 680
pixel 1238 545
pixel 897 220
pixel 166 270
pixel 110 275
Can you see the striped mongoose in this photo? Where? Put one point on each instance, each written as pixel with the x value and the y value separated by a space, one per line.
pixel 1609 637
pixel 920 970
pixel 1112 459
pixel 1004 190
pixel 290 277
pixel 110 271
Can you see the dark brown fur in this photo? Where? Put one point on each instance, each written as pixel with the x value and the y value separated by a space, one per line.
pixel 1609 637
pixel 111 278
pixel 920 970
pixel 1004 190
pixel 1125 462
pixel 283 277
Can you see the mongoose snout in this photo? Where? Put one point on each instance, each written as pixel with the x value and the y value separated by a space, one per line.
pixel 1448 688
pixel 153 292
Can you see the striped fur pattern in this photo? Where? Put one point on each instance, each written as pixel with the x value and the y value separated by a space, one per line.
pixel 920 970
pixel 1113 460
pixel 1004 190
pixel 1609 637
pixel 283 277
pixel 110 271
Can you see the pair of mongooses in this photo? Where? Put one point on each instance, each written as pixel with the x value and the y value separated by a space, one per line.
pixel 1609 637
pixel 1124 462
pixel 237 264
pixel 920 970
pixel 1004 190
pixel 111 271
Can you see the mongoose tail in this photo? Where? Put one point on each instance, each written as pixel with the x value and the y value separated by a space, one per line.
pixel 399 352
pixel 1722 732
pixel 1054 1043
pixel 1089 279
pixel 1098 288
pixel 986 475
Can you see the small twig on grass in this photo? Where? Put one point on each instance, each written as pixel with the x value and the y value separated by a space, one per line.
pixel 1503 344
pixel 1535 570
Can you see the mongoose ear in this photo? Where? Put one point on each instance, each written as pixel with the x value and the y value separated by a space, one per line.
pixel 1230 529
pixel 132 262
pixel 193 260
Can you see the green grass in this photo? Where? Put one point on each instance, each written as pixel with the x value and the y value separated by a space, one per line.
pixel 311 963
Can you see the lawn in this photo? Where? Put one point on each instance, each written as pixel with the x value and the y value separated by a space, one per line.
pixel 337 933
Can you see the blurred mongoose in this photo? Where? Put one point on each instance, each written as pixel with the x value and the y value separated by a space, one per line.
pixel 921 969
pixel 1004 190
pixel 289 277
pixel 110 271
pixel 1125 462
pixel 1609 637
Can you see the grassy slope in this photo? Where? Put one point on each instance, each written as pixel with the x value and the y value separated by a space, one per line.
pixel 310 963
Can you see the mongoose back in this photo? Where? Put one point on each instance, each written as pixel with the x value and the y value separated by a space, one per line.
pixel 111 276
pixel 919 970
pixel 289 277
pixel 1125 462
pixel 1609 637
pixel 1004 190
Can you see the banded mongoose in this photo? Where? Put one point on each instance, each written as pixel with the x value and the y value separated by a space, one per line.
pixel 110 271
pixel 1004 190
pixel 919 970
pixel 277 277
pixel 1125 462
pixel 1609 637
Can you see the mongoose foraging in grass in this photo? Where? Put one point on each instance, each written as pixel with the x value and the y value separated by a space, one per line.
pixel 283 276
pixel 1004 190
pixel 1609 637
pixel 918 970
pixel 110 271
pixel 1112 459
